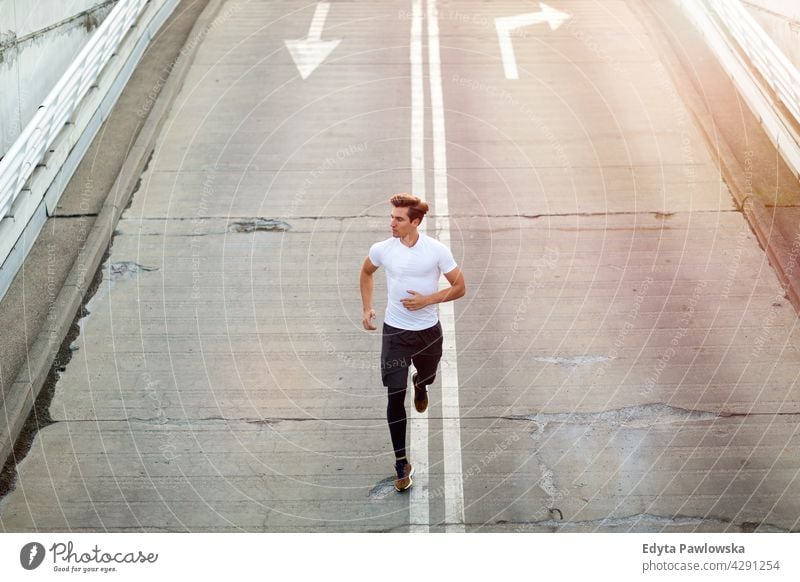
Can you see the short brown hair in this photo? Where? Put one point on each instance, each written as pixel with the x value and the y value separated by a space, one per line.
pixel 417 208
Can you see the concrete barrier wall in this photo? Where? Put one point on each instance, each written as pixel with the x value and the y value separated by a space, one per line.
pixel 781 20
pixel 139 21
pixel 38 41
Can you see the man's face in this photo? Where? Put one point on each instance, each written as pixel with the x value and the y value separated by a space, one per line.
pixel 401 226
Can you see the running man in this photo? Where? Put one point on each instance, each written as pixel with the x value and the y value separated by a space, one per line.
pixel 412 333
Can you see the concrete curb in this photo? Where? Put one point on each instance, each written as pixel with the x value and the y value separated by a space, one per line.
pixel 781 255
pixel 18 403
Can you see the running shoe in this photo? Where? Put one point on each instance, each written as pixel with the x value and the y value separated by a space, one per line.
pixel 404 473
pixel 420 395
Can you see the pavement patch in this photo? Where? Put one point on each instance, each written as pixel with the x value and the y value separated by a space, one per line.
pixel 644 416
pixel 574 361
pixel 547 482
pixel 650 522
pixel 382 489
pixel 128 270
pixel 260 224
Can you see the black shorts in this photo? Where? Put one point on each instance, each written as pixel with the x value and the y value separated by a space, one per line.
pixel 403 347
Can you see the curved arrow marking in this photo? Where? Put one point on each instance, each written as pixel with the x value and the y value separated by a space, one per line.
pixel 505 25
pixel 308 53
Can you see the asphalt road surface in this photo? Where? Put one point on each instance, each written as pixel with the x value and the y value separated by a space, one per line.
pixel 624 360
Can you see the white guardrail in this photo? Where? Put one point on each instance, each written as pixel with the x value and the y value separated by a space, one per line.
pixel 40 162
pixel 30 147
pixel 769 59
pixel 727 22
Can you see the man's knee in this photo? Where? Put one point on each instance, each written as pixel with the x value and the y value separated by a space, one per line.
pixel 426 379
pixel 396 390
pixel 426 370
pixel 394 371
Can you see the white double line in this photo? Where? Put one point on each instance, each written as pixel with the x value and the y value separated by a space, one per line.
pixel 448 371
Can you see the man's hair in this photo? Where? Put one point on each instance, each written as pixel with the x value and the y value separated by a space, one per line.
pixel 416 207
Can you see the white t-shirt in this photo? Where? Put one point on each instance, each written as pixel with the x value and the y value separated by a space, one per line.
pixel 416 268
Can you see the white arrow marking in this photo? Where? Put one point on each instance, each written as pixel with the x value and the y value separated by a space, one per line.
pixel 507 24
pixel 308 53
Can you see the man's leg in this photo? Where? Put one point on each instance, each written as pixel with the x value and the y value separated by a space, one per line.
pixel 426 361
pixel 396 417
pixel 394 372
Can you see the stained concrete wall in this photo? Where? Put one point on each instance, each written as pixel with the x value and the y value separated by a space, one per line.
pixel 781 20
pixel 38 41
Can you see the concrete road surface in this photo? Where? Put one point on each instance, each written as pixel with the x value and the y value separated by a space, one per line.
pixel 624 360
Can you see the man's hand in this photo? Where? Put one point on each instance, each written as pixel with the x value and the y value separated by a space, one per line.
pixel 416 301
pixel 367 270
pixel 369 317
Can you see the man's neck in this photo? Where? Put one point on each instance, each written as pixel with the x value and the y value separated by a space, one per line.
pixel 410 240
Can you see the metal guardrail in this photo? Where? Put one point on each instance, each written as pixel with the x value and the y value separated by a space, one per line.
pixel 725 23
pixel 768 58
pixel 30 148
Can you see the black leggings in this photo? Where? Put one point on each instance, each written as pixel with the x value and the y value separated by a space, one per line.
pixel 400 349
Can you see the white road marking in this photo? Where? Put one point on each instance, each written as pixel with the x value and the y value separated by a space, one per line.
pixel 505 25
pixel 417 103
pixel 419 502
pixel 318 22
pixel 308 53
pixel 451 424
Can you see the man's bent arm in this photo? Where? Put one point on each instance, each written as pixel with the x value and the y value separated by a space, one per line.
pixel 457 289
